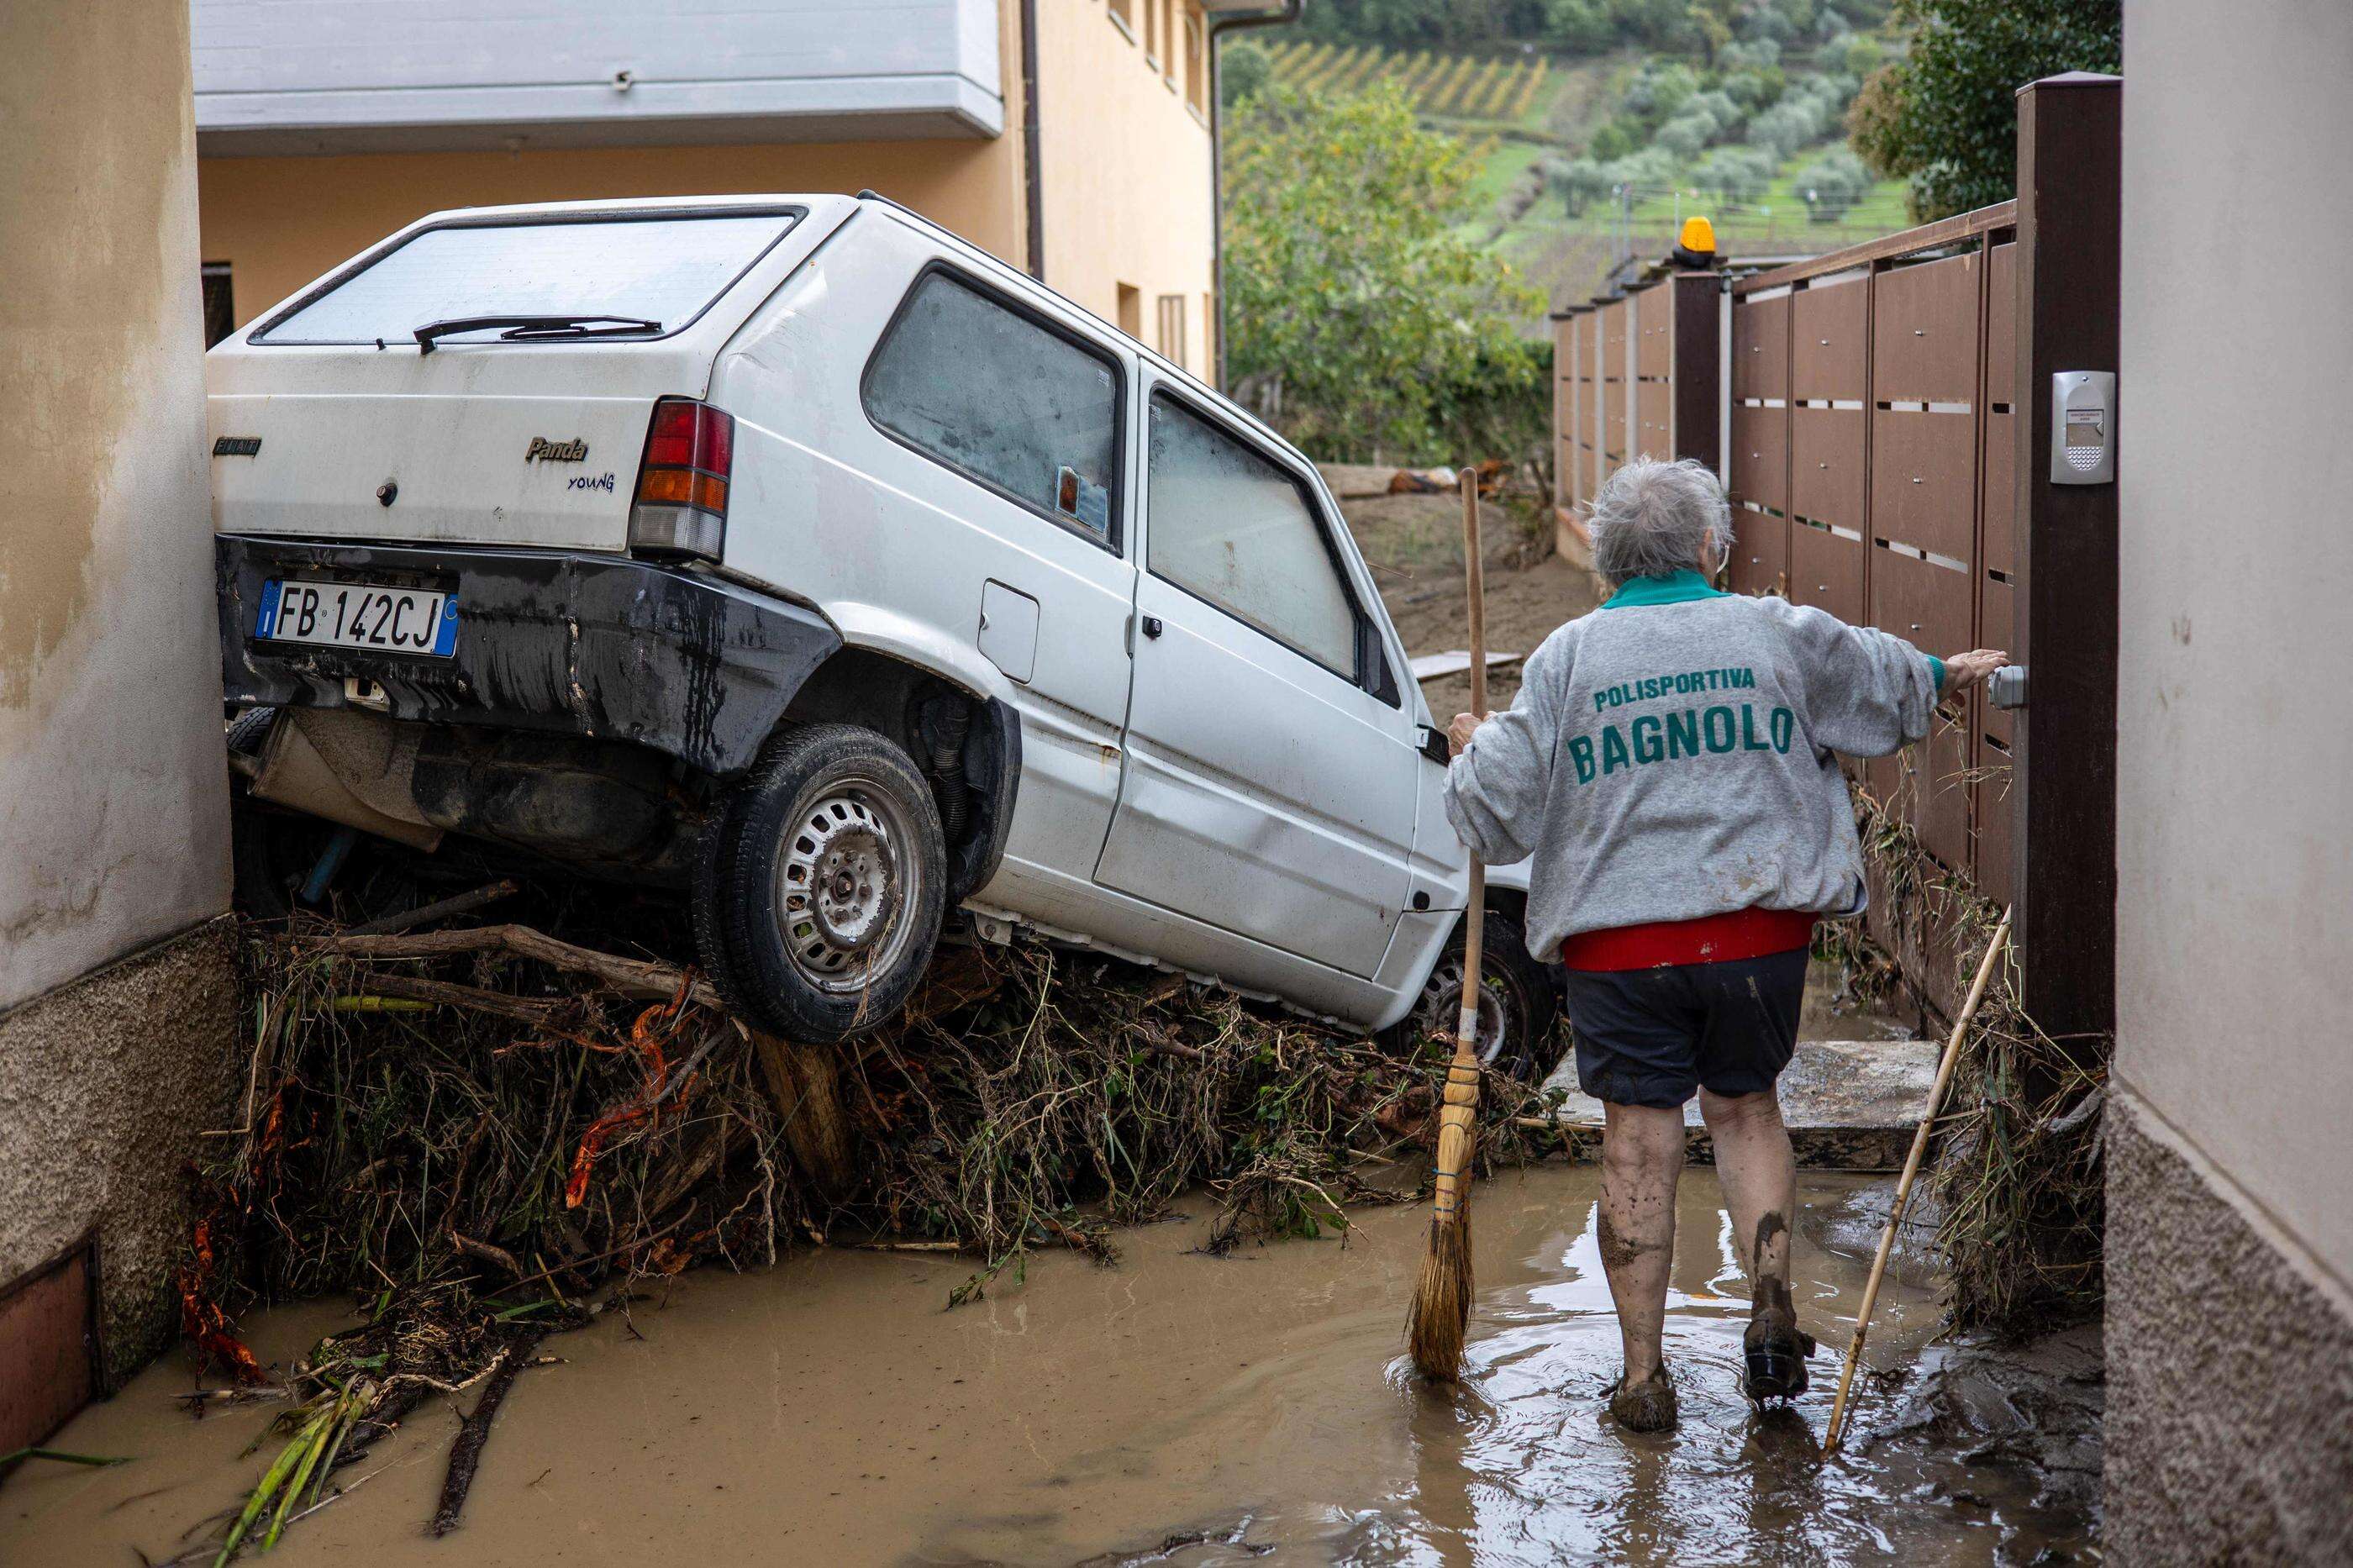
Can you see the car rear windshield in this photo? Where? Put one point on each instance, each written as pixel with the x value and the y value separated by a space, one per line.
pixel 664 267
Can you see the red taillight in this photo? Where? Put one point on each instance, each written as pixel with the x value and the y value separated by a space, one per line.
pixel 681 497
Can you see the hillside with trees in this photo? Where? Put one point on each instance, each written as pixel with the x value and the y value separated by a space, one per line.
pixel 1597 124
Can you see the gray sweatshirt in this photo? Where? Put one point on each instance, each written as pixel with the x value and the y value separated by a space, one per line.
pixel 1671 755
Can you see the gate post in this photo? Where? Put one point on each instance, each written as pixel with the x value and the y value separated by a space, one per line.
pixel 2064 847
pixel 1698 366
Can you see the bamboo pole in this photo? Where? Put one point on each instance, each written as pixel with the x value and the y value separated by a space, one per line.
pixel 1911 1171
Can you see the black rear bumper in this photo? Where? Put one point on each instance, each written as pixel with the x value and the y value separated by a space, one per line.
pixel 601 645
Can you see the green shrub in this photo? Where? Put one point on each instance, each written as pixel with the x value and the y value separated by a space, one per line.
pixel 1659 89
pixel 1735 174
pixel 1831 183
pixel 1725 117
pixel 1754 87
pixel 1684 135
pixel 1792 123
pixel 1579 183
pixel 1243 69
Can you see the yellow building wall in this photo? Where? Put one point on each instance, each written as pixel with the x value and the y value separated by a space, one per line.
pixel 280 223
pixel 1125 160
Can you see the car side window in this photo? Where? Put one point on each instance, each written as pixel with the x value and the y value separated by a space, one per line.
pixel 1004 400
pixel 1232 526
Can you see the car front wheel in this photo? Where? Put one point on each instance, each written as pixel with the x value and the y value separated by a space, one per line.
pixel 1519 1011
pixel 821 885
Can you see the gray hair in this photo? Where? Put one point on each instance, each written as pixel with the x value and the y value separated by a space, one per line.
pixel 1652 518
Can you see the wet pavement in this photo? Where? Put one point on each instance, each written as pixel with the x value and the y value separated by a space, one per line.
pixel 1173 1409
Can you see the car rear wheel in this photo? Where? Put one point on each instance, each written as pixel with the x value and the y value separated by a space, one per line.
pixel 1519 1011
pixel 821 884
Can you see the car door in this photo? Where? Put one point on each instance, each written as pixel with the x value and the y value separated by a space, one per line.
pixel 1017 419
pixel 1270 784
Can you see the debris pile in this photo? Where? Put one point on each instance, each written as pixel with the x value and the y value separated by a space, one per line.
pixel 2016 1177
pixel 488 1133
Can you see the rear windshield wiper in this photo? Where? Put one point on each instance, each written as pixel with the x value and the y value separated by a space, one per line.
pixel 534 329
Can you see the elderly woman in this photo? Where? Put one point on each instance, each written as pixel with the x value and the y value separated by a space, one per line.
pixel 1671 764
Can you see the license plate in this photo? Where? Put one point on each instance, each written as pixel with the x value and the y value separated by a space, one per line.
pixel 359 615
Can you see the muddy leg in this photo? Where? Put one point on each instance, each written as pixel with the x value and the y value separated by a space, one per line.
pixel 1641 1155
pixel 1759 1174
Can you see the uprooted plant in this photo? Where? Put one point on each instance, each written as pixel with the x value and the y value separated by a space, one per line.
pixel 488 1134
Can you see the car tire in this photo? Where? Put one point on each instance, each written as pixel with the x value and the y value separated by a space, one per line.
pixel 821 885
pixel 1519 1017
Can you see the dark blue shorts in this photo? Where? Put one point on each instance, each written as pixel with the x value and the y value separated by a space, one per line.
pixel 1655 1037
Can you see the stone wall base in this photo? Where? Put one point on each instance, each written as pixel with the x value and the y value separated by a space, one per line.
pixel 2230 1363
pixel 105 1083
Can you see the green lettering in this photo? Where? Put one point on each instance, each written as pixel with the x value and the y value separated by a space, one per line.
pixel 1647 748
pixel 1683 733
pixel 1613 750
pixel 1709 721
pixel 1748 741
pixel 1784 724
pixel 1580 752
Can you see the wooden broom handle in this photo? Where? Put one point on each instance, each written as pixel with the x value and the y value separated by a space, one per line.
pixel 1474 924
pixel 1475 571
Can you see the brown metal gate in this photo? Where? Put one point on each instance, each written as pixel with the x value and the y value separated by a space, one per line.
pixel 1885 448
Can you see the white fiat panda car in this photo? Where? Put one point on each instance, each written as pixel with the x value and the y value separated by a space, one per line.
pixel 793 553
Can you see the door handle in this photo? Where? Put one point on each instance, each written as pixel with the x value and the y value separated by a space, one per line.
pixel 1152 627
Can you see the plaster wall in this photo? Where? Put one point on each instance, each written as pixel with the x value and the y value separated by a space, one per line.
pixel 282 222
pixel 117 996
pixel 1127 170
pixel 2234 858
pixel 113 804
pixel 2230 1194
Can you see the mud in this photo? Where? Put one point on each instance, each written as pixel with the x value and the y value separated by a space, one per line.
pixel 1174 1408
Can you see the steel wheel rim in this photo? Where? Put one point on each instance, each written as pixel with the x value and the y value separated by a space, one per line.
pixel 1441 1002
pixel 846 884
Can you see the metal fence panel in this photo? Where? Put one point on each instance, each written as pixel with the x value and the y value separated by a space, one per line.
pixel 1760 456
pixel 1760 349
pixel 1826 468
pixel 1925 332
pixel 1826 570
pixel 1654 430
pixel 1922 486
pixel 1827 332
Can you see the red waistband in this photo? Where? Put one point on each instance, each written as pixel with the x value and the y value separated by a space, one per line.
pixel 1711 939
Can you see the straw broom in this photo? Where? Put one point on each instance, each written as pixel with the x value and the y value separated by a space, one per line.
pixel 1440 1313
pixel 1912 1169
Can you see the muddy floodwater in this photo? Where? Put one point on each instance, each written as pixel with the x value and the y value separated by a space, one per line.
pixel 1175 1409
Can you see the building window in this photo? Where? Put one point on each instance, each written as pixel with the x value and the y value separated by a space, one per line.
pixel 1171 343
pixel 1122 15
pixel 1196 63
pixel 1152 32
pixel 1168 42
pixel 1131 312
pixel 220 305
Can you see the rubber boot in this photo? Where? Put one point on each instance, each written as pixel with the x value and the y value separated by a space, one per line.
pixel 1774 1347
pixel 1645 1407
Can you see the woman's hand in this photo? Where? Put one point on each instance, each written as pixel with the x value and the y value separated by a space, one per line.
pixel 1963 671
pixel 1458 733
